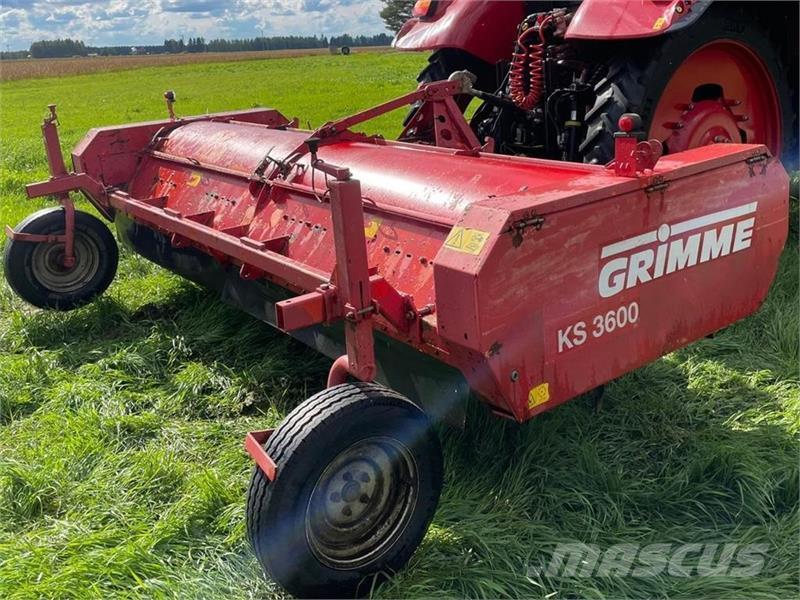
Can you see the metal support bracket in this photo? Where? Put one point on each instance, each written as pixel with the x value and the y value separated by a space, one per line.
pixel 59 185
pixel 254 446
pixel 631 156
pixel 352 276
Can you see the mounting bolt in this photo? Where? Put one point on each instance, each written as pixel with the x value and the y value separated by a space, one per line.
pixel 514 375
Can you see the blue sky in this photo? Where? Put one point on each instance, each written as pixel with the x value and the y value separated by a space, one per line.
pixel 128 22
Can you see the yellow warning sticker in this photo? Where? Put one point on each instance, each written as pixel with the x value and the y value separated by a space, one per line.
pixel 371 229
pixel 194 179
pixel 659 23
pixel 463 239
pixel 538 395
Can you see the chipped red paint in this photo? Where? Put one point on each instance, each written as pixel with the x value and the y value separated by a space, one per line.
pixel 480 260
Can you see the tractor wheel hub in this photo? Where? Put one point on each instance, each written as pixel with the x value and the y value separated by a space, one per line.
pixel 702 123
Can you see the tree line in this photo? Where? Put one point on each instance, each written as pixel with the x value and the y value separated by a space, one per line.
pixel 68 47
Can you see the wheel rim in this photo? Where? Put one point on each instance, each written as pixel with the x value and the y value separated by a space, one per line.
pixel 48 267
pixel 722 92
pixel 362 502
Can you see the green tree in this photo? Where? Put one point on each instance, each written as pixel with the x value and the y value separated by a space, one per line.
pixel 396 12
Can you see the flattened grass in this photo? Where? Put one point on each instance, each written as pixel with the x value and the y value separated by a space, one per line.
pixel 121 468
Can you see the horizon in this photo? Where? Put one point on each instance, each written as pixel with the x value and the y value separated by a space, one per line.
pixel 122 23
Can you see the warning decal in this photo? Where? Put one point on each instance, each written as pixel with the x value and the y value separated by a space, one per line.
pixel 463 239
pixel 538 395
pixel 372 228
pixel 194 179
pixel 660 23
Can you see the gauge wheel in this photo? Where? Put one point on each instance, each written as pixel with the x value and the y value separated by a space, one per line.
pixel 36 272
pixel 720 80
pixel 359 472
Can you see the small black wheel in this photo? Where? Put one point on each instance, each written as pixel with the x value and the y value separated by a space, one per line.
pixel 345 50
pixel 35 271
pixel 359 472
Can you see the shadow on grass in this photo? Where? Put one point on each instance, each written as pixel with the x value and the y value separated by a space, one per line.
pixel 668 460
pixel 174 347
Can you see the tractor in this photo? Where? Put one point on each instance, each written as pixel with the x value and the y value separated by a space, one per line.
pixel 554 78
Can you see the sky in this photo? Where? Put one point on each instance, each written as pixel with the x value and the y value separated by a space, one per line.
pixel 134 22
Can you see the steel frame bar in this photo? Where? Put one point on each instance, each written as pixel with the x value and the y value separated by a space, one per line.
pixel 254 445
pixel 292 272
pixel 352 276
pixel 427 92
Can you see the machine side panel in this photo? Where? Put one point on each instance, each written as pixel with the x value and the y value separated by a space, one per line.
pixel 605 287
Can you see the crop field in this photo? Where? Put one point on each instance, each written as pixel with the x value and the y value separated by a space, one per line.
pixel 12 70
pixel 122 473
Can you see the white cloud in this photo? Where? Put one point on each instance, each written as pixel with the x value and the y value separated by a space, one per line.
pixel 131 22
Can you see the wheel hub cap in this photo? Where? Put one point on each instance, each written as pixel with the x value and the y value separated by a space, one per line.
pixel 722 92
pixel 702 123
pixel 47 263
pixel 361 502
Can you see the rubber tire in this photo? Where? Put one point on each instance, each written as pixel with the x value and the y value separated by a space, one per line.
pixel 443 63
pixel 18 260
pixel 637 77
pixel 345 50
pixel 310 437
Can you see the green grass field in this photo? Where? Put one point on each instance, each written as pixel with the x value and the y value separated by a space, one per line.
pixel 121 467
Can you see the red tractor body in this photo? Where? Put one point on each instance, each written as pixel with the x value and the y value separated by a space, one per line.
pixel 485 28
pixel 697 72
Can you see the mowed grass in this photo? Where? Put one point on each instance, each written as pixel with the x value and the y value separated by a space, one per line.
pixel 121 467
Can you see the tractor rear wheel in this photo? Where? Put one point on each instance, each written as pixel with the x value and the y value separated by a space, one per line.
pixel 359 472
pixel 718 80
pixel 35 270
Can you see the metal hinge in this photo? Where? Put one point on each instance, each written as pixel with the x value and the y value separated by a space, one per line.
pixel 658 185
pixel 534 221
pixel 754 160
pixel 518 227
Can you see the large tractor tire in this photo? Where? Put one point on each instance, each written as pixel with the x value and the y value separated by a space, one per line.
pixel 720 79
pixel 359 472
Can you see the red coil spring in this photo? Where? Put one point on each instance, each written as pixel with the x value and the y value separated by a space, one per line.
pixel 526 74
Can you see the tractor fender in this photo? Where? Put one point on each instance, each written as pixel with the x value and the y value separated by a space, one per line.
pixel 630 19
pixel 484 28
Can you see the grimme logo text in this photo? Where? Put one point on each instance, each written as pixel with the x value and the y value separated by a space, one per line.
pixel 674 251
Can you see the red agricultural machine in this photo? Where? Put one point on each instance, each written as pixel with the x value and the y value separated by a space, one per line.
pixel 554 77
pixel 430 272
